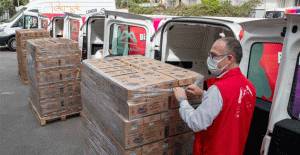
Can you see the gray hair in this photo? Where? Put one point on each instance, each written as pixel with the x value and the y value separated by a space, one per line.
pixel 234 48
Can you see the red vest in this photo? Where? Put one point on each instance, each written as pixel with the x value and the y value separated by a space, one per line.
pixel 229 131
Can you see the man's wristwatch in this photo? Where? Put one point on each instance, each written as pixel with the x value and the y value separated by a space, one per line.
pixel 181 99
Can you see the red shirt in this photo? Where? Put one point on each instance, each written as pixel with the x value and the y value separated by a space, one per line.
pixel 229 131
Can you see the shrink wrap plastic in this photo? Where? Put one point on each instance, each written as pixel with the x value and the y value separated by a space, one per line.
pixel 21 39
pixel 54 75
pixel 126 107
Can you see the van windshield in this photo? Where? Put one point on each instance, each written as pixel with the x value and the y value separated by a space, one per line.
pixel 16 15
pixel 275 14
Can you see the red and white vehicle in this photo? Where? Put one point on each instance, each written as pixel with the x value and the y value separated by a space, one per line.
pixel 271 61
pixel 280 12
pixel 49 8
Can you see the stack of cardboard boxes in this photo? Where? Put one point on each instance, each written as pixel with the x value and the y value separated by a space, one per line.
pixel 21 39
pixel 54 75
pixel 127 107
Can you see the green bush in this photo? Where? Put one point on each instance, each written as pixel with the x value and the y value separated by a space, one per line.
pixel 206 8
pixel 214 8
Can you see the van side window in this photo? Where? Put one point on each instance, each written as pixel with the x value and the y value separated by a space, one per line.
pixel 31 22
pixel 127 40
pixel 18 23
pixel 294 102
pixel 263 68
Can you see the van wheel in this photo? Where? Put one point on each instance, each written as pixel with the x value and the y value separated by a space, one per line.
pixel 12 44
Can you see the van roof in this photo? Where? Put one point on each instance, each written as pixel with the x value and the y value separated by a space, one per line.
pixel 221 19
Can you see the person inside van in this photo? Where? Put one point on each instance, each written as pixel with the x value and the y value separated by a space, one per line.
pixel 222 122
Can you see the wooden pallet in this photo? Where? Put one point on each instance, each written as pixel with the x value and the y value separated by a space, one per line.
pixel 22 78
pixel 43 120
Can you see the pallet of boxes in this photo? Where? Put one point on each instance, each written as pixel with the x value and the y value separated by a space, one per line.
pixel 129 107
pixel 21 40
pixel 54 75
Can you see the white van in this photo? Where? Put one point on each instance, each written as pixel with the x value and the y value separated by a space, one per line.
pixel 270 61
pixel 49 8
pixel 280 12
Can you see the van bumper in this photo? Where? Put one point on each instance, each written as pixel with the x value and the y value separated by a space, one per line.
pixel 3 40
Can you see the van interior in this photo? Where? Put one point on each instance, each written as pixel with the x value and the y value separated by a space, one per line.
pixel 95 35
pixel 58 28
pixel 187 44
pixel 183 44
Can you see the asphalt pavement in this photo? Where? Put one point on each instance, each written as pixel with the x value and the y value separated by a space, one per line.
pixel 21 133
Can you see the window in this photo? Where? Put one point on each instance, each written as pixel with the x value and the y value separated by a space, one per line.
pixel 18 23
pixel 294 102
pixel 275 14
pixel 127 40
pixel 34 10
pixel 263 68
pixel 31 22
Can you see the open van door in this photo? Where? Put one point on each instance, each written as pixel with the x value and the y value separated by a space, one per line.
pixel 43 21
pixel 262 44
pixel 94 38
pixel 57 26
pixel 127 34
pixel 72 23
pixel 283 132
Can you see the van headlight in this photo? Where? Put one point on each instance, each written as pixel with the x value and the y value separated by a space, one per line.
pixel 2 28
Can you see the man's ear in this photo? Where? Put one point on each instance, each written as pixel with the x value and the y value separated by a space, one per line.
pixel 231 58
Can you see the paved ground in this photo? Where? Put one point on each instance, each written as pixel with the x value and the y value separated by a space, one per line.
pixel 20 132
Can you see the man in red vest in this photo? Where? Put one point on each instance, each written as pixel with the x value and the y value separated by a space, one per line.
pixel 221 123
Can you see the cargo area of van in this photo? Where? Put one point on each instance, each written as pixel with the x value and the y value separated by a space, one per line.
pixel 95 33
pixel 182 45
pixel 58 27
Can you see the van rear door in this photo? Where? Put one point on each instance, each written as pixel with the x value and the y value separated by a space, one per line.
pixel 72 24
pixel 283 132
pixel 127 34
pixel 262 44
pixel 43 21
pixel 94 37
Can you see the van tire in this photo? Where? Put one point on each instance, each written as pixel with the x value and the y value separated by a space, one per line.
pixel 12 44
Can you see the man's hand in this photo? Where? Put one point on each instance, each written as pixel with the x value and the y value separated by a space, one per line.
pixel 195 90
pixel 179 92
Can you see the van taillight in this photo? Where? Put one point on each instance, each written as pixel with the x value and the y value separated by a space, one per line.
pixel 241 35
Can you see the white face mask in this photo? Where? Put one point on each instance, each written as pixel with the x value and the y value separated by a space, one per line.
pixel 213 65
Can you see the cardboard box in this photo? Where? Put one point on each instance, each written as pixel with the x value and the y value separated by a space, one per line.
pixel 51 44
pixel 22 36
pixel 54 59
pixel 128 133
pixel 50 89
pixel 54 76
pixel 58 73
pixel 132 108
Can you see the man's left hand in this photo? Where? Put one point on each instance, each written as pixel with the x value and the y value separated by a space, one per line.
pixel 179 92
